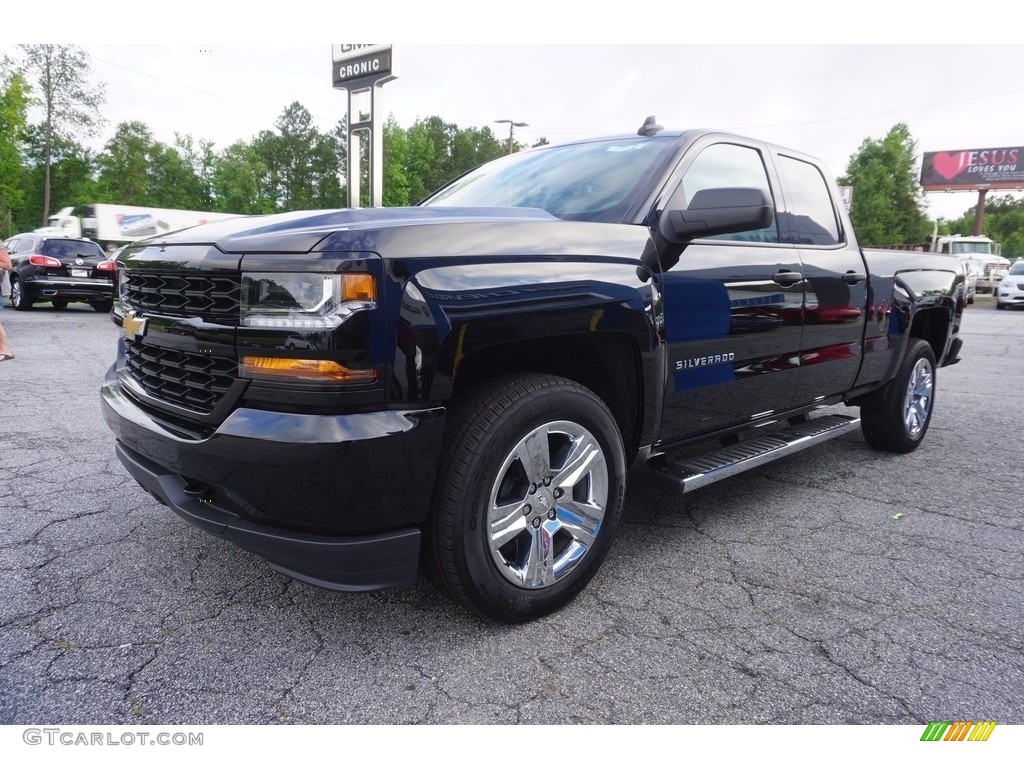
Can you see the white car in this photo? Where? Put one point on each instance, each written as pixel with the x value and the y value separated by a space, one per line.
pixel 1010 290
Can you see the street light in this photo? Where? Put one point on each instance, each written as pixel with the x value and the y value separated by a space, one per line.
pixel 512 125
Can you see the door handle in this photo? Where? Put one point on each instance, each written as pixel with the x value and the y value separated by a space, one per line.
pixel 787 279
pixel 852 278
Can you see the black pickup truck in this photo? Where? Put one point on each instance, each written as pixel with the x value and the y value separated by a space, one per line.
pixel 466 382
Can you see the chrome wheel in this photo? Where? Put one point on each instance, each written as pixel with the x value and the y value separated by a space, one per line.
pixel 547 504
pixel 18 295
pixel 917 404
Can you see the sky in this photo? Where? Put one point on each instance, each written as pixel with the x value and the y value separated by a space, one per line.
pixel 604 77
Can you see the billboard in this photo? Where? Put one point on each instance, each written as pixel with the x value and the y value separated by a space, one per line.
pixel 992 168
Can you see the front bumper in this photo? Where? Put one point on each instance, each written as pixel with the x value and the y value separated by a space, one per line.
pixel 336 501
pixel 1009 296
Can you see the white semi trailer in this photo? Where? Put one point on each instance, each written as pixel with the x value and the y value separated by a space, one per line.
pixel 115 225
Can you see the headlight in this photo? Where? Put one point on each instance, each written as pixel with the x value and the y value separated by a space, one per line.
pixel 303 300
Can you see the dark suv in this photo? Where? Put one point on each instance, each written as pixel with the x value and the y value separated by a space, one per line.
pixel 59 270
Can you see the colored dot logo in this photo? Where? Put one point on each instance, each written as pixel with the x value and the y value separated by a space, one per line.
pixel 959 730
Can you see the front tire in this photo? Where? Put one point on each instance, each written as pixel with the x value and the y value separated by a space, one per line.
pixel 530 491
pixel 897 418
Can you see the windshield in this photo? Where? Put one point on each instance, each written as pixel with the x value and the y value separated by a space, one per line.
pixel 594 181
pixel 985 248
pixel 1017 268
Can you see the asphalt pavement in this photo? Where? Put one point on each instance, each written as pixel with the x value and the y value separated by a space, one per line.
pixel 839 585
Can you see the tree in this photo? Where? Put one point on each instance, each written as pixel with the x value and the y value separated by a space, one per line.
pixel 431 153
pixel 14 99
pixel 266 149
pixel 472 147
pixel 200 159
pixel 125 165
pixel 238 174
pixel 299 167
pixel 888 202
pixel 295 146
pixel 420 161
pixel 440 135
pixel 396 159
pixel 327 158
pixel 72 177
pixel 70 102
pixel 171 181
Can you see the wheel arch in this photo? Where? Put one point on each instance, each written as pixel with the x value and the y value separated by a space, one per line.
pixel 594 322
pixel 933 325
pixel 924 306
pixel 609 364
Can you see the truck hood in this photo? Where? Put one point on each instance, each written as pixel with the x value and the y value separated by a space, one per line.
pixel 302 231
pixel 51 232
pixel 411 232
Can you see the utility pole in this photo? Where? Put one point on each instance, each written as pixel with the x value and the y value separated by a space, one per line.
pixel 512 125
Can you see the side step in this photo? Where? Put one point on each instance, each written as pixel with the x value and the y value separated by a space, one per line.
pixel 696 472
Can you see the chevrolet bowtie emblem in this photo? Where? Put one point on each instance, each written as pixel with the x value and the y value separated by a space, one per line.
pixel 133 327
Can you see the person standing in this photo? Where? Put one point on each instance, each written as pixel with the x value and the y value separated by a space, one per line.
pixel 5 350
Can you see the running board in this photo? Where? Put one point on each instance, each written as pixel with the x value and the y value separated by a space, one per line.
pixel 696 472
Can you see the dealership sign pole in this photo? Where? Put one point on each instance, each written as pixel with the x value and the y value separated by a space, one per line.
pixel 974 169
pixel 363 68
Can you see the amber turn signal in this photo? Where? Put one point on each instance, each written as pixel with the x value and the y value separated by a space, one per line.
pixel 306 370
pixel 357 286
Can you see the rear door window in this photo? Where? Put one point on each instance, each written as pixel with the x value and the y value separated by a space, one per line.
pixel 811 218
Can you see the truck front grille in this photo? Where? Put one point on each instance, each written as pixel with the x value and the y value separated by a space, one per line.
pixel 193 381
pixel 214 298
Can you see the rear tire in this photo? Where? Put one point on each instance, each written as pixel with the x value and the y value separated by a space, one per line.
pixel 897 418
pixel 59 304
pixel 19 300
pixel 103 306
pixel 530 490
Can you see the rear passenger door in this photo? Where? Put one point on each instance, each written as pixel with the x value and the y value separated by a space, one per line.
pixel 732 303
pixel 835 287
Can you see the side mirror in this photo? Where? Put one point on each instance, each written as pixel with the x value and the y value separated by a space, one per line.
pixel 717 211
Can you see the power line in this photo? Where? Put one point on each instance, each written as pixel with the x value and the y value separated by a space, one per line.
pixel 824 119
pixel 182 85
pixel 590 133
pixel 884 112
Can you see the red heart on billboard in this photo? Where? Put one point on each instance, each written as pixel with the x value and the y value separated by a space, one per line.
pixel 947 165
